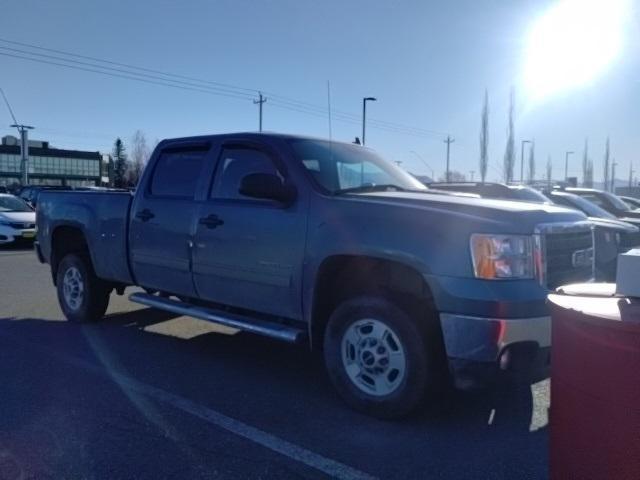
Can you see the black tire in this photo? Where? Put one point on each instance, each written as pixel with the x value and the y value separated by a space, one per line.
pixel 418 372
pixel 93 302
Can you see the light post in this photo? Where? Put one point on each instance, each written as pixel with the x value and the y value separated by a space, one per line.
pixel 433 175
pixel 364 114
pixel 522 159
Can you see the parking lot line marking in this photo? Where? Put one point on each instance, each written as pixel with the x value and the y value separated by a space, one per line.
pixel 294 452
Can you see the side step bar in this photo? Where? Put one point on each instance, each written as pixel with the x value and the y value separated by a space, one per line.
pixel 233 320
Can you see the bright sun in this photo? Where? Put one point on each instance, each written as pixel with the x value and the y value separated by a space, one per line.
pixel 572 43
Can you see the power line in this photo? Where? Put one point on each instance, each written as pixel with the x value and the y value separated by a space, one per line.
pixel 96 59
pixel 117 71
pixel 128 77
pixel 157 77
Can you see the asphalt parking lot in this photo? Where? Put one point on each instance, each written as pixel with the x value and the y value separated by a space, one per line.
pixel 144 394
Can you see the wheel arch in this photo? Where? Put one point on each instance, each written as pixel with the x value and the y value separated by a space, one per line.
pixel 344 276
pixel 66 239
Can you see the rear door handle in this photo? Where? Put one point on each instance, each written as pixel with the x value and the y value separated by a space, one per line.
pixel 212 221
pixel 145 215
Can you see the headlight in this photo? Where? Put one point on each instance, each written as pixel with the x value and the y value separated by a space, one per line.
pixel 502 256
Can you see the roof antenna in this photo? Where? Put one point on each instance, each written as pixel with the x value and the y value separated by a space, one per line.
pixel 329 108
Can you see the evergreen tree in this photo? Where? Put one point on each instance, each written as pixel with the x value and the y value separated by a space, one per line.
pixel 120 164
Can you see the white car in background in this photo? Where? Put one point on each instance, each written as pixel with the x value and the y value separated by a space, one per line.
pixel 17 220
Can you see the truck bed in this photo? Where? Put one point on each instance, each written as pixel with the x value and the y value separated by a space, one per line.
pixel 103 217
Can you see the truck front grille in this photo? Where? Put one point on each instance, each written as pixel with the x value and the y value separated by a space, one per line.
pixel 569 257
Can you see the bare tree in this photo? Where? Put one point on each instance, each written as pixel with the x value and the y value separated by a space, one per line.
pixel 139 156
pixel 531 174
pixel 484 137
pixel 606 166
pixel 509 153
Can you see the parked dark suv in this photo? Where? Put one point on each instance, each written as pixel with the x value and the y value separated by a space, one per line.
pixel 611 235
pixel 493 190
pixel 606 200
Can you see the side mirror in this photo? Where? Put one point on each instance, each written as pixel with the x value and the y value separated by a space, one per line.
pixel 267 186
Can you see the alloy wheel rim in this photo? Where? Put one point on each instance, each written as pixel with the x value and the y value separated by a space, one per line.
pixel 73 288
pixel 373 357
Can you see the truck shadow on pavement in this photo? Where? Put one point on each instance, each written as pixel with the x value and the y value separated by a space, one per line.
pixel 278 388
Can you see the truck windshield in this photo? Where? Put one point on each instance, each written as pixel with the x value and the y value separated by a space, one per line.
pixel 9 203
pixel 343 168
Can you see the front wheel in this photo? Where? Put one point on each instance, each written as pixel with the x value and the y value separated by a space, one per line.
pixel 377 357
pixel 83 297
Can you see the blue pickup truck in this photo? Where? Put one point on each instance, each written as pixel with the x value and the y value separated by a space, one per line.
pixel 309 240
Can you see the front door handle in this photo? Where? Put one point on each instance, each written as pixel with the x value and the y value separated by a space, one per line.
pixel 212 221
pixel 145 215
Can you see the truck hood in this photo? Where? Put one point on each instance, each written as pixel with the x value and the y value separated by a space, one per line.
pixel 19 217
pixel 512 215
pixel 617 225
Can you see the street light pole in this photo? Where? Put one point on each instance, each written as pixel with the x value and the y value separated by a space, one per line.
pixel 566 165
pixel 522 159
pixel 364 114
pixel 24 151
pixel 433 175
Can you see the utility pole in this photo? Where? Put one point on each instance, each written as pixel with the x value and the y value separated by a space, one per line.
pixel 24 151
pixel 259 102
pixel 566 165
pixel 613 176
pixel 472 172
pixel 631 172
pixel 448 141
pixel 522 159
pixel 364 113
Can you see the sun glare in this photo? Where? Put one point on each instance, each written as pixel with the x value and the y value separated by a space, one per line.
pixel 573 43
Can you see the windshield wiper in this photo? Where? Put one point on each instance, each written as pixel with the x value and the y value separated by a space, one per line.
pixel 383 187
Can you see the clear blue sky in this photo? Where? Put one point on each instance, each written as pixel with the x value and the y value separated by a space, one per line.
pixel 427 62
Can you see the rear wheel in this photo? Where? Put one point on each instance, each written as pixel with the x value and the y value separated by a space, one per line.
pixel 377 357
pixel 83 297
